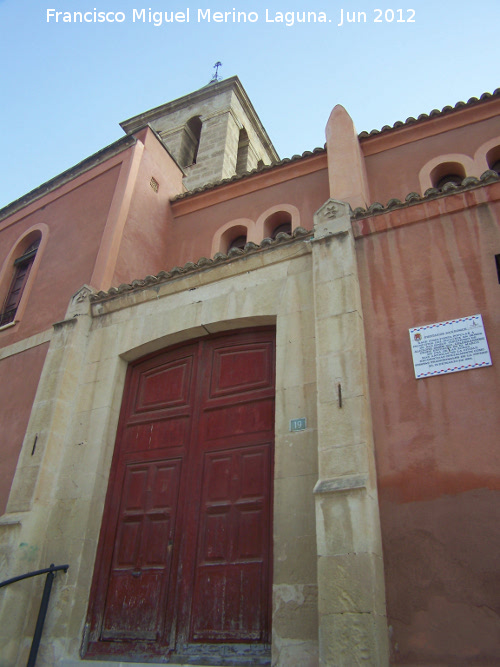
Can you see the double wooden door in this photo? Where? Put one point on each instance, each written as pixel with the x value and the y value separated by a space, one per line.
pixel 183 570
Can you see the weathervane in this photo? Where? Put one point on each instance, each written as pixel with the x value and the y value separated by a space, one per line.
pixel 216 76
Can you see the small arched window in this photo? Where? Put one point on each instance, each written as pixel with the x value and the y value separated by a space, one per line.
pixel 242 157
pixel 234 237
pixel 190 141
pixel 281 221
pixel 448 172
pixel 22 268
pixel 493 159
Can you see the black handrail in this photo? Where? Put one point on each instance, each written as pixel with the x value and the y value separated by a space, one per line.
pixel 50 572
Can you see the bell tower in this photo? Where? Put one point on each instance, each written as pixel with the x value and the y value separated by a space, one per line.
pixel 213 133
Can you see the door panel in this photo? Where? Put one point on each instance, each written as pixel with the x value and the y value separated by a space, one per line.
pixel 166 386
pixel 184 559
pixel 240 368
pixel 240 419
pixel 228 613
pixel 168 434
pixel 142 551
pixel 233 540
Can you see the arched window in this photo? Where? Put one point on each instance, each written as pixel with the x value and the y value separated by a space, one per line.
pixel 234 237
pixel 448 172
pixel 281 221
pixel 242 157
pixel 21 270
pixel 190 141
pixel 493 159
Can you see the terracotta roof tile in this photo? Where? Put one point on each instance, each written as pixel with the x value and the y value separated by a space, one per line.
pixel 433 114
pixel 362 135
pixel 203 263
pixel 258 170
pixel 469 182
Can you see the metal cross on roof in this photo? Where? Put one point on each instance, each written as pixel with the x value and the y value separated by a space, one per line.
pixel 216 76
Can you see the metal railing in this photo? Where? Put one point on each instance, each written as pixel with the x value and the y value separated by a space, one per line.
pixel 51 573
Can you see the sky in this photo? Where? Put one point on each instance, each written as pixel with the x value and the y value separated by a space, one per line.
pixel 66 86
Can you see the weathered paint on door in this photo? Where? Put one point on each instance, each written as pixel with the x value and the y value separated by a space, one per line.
pixel 184 560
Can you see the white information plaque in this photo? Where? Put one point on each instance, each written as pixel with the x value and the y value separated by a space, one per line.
pixel 449 347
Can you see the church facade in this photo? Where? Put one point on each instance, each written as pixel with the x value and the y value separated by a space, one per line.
pixel 251 402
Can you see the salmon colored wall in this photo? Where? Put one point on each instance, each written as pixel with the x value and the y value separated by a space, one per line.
pixel 191 234
pixel 437 445
pixel 19 376
pixel 145 240
pixel 393 172
pixel 76 219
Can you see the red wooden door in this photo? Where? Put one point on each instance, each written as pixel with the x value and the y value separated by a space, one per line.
pixel 184 559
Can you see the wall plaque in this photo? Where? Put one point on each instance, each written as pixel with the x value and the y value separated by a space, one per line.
pixel 449 347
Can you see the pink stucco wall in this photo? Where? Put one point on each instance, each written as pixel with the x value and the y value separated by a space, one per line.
pixel 437 452
pixel 75 220
pixel 19 376
pixel 105 226
pixel 145 241
pixel 192 230
pixel 393 160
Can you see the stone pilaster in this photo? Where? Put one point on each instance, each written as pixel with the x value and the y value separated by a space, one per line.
pixel 53 403
pixel 351 591
pixel 34 496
